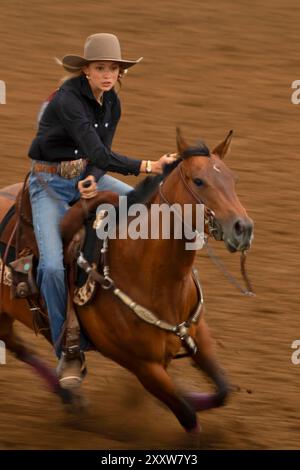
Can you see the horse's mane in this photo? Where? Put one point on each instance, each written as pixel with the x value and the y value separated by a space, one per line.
pixel 200 150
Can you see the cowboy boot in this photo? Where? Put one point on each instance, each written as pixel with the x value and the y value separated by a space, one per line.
pixel 71 368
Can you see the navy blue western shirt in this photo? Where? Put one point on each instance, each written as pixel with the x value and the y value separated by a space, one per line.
pixel 74 125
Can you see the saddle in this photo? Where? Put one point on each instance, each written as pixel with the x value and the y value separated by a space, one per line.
pixel 18 246
pixel 20 252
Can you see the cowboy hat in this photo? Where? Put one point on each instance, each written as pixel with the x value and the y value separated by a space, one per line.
pixel 100 46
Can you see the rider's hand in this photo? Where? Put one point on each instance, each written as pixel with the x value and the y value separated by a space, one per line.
pixel 157 167
pixel 91 190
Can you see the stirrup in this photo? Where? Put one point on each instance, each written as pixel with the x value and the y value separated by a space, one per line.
pixel 71 369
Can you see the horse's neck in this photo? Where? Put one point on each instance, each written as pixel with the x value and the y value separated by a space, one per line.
pixel 156 273
pixel 154 257
pixel 171 256
pixel 173 253
pixel 164 260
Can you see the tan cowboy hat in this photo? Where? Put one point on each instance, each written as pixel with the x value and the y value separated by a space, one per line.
pixel 101 46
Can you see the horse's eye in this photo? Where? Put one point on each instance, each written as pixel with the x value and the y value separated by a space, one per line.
pixel 198 182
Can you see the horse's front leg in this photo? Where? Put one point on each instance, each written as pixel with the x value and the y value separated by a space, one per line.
pixel 156 380
pixel 206 360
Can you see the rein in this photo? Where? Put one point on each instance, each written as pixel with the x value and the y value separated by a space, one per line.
pixel 219 263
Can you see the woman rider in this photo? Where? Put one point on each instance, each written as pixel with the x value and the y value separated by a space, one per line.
pixel 73 147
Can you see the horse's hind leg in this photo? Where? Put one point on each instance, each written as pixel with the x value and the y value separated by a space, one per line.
pixel 205 359
pixel 156 380
pixel 15 345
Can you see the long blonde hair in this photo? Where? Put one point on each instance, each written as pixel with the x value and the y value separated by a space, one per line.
pixel 68 75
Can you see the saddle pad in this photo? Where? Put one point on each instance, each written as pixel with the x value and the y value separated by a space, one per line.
pixel 85 287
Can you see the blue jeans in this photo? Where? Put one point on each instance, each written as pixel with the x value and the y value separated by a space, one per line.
pixel 48 207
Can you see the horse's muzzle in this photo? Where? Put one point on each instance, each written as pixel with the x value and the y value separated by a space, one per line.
pixel 240 235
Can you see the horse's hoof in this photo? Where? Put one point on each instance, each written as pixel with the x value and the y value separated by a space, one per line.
pixel 202 401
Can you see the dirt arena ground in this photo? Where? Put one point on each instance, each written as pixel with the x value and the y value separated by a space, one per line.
pixel 209 67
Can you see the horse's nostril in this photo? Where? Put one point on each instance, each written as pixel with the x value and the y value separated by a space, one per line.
pixel 239 227
pixel 242 230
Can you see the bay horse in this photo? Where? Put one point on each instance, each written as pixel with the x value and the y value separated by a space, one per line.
pixel 158 275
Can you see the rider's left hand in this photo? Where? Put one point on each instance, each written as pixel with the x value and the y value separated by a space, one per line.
pixel 91 190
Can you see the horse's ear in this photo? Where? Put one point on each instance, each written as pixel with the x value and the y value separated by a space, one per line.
pixel 222 149
pixel 181 143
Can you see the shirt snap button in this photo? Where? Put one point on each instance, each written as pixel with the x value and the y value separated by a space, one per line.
pixel 106 124
pixel 96 125
pixel 75 151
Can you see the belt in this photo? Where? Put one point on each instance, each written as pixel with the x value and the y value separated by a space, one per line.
pixel 66 169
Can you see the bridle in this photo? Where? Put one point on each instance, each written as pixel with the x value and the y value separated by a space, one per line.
pixel 215 230
pixel 210 220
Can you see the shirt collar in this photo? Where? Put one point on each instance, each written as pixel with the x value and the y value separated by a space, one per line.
pixel 86 89
pixel 81 84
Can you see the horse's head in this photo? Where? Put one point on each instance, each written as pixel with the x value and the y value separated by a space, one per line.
pixel 208 180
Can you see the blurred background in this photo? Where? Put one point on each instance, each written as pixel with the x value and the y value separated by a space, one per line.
pixel 208 67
